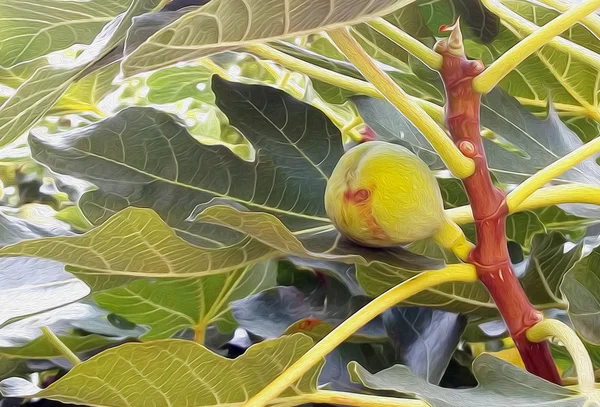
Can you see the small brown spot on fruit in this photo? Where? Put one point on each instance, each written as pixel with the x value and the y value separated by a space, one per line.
pixel 361 195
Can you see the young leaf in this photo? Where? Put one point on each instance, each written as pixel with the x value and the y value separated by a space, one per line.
pixel 36 96
pixel 500 384
pixel 175 373
pixel 222 25
pixel 173 84
pixel 86 93
pixel 35 29
pixel 167 306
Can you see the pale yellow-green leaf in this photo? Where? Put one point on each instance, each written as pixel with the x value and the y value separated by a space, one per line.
pixel 32 29
pixel 136 242
pixel 226 24
pixel 34 97
pixel 176 373
pixel 86 94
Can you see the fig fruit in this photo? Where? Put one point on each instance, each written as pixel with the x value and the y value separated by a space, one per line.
pixel 382 195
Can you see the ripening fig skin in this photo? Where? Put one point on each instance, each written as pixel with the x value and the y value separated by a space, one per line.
pixel 382 195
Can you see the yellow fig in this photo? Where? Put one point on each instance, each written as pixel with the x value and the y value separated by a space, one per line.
pixel 382 195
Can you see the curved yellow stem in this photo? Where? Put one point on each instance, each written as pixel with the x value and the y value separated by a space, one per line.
pixel 562 108
pixel 415 47
pixel 423 281
pixel 60 346
pixel 324 75
pixel 359 400
pixel 592 22
pixel 334 78
pixel 456 162
pixel 556 195
pixel 453 238
pixel 489 78
pixel 554 328
pixel 545 175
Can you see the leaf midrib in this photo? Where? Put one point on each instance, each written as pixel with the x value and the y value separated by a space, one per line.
pixel 192 187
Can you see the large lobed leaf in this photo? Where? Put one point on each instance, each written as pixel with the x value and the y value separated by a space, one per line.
pixel 313 309
pixel 174 373
pixel 226 24
pixel 159 165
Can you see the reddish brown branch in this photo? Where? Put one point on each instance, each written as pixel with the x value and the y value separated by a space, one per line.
pixel 488 202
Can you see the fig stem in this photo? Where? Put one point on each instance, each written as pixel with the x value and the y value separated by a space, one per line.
pixel 489 209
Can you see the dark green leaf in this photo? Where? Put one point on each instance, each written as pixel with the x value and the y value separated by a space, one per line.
pixel 581 289
pixel 500 384
pixel 375 356
pixel 392 126
pixel 455 297
pixel 270 313
pixel 167 306
pixel 167 170
pixel 542 141
pixel 424 338
pixel 548 262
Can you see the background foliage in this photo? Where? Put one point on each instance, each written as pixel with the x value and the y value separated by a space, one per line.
pixel 163 184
